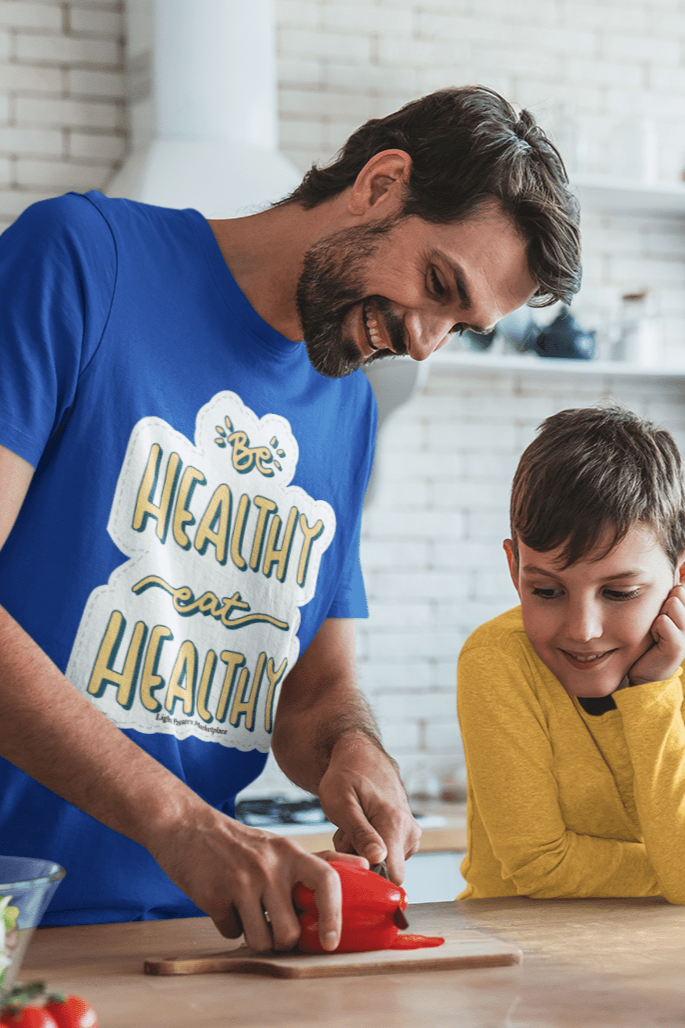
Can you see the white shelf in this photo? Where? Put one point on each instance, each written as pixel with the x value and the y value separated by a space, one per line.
pixel 625 196
pixel 499 362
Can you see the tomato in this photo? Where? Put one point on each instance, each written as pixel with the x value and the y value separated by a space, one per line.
pixel 71 1012
pixel 59 1011
pixel 28 1017
pixel 372 912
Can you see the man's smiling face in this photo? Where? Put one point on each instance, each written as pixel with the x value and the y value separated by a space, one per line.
pixel 590 622
pixel 402 285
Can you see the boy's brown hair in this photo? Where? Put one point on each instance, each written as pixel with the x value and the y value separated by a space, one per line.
pixel 593 469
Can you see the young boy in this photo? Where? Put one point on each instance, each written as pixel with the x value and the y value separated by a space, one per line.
pixel 571 705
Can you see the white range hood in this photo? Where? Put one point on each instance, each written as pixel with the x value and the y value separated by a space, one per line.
pixel 203 107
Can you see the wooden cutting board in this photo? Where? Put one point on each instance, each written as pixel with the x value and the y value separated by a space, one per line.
pixel 462 948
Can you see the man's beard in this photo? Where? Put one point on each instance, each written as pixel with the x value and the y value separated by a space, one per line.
pixel 332 284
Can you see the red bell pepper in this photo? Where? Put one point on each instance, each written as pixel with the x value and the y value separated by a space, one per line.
pixel 372 912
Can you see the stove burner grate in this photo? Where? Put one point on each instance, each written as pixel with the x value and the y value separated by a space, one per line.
pixel 259 813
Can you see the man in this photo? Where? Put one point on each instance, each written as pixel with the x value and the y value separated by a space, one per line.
pixel 180 571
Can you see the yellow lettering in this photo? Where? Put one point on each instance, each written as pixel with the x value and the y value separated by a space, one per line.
pixel 183 672
pixel 274 678
pixel 266 507
pixel 103 673
pixel 219 510
pixel 279 556
pixel 232 661
pixel 182 516
pixel 245 704
pixel 145 508
pixel 209 603
pixel 149 679
pixel 310 535
pixel 206 685
pixel 239 532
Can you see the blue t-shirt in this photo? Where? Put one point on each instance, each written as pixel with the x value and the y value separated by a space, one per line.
pixel 193 518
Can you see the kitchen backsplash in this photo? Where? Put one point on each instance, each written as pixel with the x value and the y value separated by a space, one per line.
pixel 607 78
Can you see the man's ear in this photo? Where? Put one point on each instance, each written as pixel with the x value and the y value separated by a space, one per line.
pixel 381 184
pixel 512 560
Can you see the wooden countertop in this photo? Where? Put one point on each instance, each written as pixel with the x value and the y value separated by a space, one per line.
pixel 600 963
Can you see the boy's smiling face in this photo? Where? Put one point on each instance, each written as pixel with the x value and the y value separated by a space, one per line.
pixel 589 623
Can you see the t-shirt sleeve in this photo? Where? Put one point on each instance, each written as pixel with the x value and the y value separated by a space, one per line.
pixel 350 599
pixel 57 277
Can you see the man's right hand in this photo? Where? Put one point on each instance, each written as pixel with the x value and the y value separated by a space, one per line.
pixel 235 873
pixel 53 733
pixel 244 879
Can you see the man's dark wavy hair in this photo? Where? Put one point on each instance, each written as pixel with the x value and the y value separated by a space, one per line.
pixel 597 470
pixel 470 148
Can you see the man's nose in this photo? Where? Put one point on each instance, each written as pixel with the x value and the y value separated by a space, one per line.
pixel 426 334
pixel 584 621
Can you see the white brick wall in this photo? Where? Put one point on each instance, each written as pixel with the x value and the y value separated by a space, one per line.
pixel 606 60
pixel 61 98
pixel 432 535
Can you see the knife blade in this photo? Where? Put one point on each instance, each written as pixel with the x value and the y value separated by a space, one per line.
pixel 399 916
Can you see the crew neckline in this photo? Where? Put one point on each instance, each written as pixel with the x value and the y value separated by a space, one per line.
pixel 597 705
pixel 235 299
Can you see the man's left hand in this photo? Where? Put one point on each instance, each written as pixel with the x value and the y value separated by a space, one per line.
pixel 362 793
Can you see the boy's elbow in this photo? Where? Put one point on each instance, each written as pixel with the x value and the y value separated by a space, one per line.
pixel 554 872
pixel 674 893
pixel 541 883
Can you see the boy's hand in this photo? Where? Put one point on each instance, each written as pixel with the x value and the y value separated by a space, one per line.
pixel 668 652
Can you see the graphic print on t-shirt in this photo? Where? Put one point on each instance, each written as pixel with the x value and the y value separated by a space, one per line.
pixel 195 632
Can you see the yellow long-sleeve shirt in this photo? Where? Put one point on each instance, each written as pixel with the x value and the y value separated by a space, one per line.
pixel 562 802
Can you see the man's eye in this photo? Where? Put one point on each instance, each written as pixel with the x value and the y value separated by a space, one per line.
pixel 436 283
pixel 614 594
pixel 547 594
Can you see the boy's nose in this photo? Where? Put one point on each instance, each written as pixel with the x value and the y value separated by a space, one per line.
pixel 583 623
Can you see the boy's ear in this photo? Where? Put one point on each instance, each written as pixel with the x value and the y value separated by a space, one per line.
pixel 680 570
pixel 512 560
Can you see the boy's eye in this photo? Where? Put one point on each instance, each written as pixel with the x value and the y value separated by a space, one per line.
pixel 615 594
pixel 547 594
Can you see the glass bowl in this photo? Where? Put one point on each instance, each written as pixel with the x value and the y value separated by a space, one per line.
pixel 26 887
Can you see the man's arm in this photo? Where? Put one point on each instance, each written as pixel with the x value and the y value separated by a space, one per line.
pixel 326 740
pixel 53 733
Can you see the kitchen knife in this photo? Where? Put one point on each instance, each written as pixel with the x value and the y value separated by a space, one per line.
pixel 382 870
